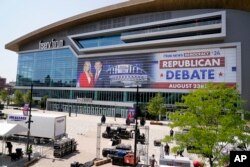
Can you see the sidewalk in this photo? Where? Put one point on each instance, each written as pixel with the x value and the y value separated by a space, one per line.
pixel 84 129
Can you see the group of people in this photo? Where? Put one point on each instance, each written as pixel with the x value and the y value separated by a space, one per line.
pixel 9 146
pixel 89 80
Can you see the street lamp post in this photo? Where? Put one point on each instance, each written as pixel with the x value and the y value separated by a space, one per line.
pixel 136 124
pixel 8 97
pixel 29 122
pixel 115 112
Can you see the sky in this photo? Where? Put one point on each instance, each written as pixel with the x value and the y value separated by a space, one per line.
pixel 19 17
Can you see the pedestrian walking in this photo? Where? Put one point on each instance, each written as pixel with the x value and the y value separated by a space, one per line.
pixel 9 146
pixel 103 119
pixel 180 152
pixel 152 160
pixel 171 132
pixel 166 149
pixel 30 150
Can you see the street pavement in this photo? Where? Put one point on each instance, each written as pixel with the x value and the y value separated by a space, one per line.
pixel 83 128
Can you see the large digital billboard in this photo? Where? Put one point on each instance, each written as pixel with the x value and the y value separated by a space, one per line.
pixel 116 71
pixel 187 69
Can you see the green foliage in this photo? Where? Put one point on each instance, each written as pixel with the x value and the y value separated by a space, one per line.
pixel 175 149
pixel 247 115
pixel 167 139
pixel 18 98
pixel 212 116
pixel 156 105
pixel 4 95
pixel 1 106
pixel 27 96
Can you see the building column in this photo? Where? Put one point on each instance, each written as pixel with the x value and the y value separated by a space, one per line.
pixel 125 96
pixel 96 95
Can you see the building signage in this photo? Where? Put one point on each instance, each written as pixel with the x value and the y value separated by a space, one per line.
pixel 60 120
pixel 17 118
pixel 193 69
pixel 180 70
pixel 51 44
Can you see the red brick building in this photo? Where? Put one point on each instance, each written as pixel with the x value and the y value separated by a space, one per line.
pixel 2 83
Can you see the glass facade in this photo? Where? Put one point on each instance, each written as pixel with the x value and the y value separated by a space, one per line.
pixel 177 25
pixel 58 68
pixel 121 38
pixel 115 96
pixel 105 95
pixel 56 73
pixel 52 68
pixel 100 41
pixel 111 110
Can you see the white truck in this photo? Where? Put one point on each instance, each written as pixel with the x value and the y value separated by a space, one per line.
pixel 48 126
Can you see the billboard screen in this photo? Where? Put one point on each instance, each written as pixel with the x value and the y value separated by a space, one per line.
pixel 187 69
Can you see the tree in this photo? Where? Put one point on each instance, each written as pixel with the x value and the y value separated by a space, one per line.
pixel 156 105
pixel 213 119
pixel 18 98
pixel 4 95
pixel 27 97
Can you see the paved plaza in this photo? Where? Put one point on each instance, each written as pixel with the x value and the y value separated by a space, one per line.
pixel 84 129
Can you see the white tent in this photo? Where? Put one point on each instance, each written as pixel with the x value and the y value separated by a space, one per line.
pixel 7 129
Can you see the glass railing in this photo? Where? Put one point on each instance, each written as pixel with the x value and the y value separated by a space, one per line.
pixel 172 27
pixel 100 41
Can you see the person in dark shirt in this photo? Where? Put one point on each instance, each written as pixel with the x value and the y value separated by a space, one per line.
pixel 166 149
pixel 9 146
pixel 171 132
pixel 152 160
pixel 101 77
pixel 103 119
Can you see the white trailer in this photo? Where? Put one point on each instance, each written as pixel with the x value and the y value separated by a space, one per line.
pixel 43 126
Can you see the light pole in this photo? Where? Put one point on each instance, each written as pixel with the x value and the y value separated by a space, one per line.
pixel 115 112
pixel 136 124
pixel 29 122
pixel 8 97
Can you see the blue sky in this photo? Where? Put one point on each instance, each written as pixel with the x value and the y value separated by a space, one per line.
pixel 19 17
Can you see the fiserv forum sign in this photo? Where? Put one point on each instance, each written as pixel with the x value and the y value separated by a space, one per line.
pixel 51 44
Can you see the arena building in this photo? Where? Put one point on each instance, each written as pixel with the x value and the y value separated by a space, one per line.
pixel 163 46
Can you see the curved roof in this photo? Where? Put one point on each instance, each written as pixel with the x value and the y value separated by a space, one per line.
pixel 128 8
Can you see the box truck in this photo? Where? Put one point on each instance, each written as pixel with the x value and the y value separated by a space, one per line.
pixel 43 125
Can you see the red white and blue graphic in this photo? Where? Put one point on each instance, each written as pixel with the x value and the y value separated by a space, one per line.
pixel 180 70
pixel 193 69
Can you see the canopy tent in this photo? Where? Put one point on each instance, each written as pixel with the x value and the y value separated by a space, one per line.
pixel 7 129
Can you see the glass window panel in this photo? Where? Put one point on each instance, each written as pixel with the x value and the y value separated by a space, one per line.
pixel 47 68
pixel 100 41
